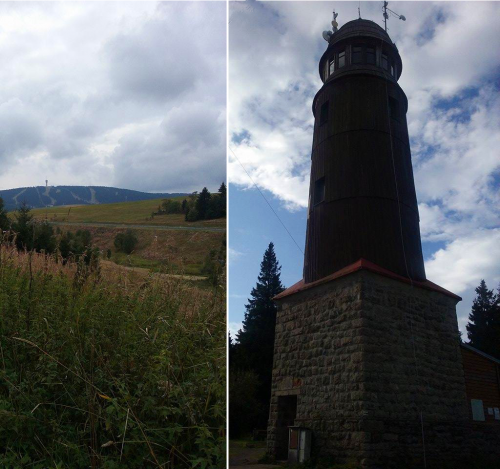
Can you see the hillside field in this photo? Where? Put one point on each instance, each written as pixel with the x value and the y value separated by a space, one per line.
pixel 134 213
pixel 177 252
pixel 180 250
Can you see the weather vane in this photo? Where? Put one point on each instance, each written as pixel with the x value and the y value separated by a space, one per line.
pixel 386 15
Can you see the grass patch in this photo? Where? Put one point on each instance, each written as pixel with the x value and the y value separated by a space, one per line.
pixel 135 213
pixel 133 260
pixel 98 372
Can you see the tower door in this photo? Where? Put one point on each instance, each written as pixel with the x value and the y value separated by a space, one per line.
pixel 287 411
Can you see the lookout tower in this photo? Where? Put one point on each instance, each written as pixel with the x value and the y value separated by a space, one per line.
pixel 367 354
pixel 362 202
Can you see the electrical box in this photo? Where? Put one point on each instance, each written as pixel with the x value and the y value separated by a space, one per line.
pixel 299 444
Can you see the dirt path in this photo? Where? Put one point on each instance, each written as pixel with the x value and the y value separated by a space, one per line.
pixel 138 227
pixel 143 271
pixel 243 454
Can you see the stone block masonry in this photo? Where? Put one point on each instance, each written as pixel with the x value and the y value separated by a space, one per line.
pixel 363 361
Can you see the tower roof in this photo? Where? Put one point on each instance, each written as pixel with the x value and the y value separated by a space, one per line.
pixel 360 27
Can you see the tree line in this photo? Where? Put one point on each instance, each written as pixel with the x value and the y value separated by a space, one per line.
pixel 30 234
pixel 251 351
pixel 198 206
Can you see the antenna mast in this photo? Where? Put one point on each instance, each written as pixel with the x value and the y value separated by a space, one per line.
pixel 328 34
pixel 386 15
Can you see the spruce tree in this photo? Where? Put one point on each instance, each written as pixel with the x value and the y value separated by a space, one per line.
pixel 222 200
pixel 255 341
pixel 203 203
pixel 482 329
pixel 24 228
pixel 4 219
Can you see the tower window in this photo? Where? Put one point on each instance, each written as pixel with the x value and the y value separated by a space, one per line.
pixel 393 108
pixel 341 58
pixel 393 69
pixel 357 54
pixel 370 55
pixel 319 191
pixel 385 62
pixel 323 114
pixel 332 65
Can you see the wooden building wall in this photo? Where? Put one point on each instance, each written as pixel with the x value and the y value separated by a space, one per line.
pixel 482 381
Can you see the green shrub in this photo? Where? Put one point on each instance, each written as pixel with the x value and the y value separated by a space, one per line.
pixel 126 242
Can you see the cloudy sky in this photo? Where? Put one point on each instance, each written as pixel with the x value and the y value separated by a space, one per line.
pixel 451 75
pixel 125 94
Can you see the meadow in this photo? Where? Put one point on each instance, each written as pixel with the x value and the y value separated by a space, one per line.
pixel 108 369
pixel 167 243
pixel 134 213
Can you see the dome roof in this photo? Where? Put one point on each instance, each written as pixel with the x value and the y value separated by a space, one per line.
pixel 360 27
pixel 357 29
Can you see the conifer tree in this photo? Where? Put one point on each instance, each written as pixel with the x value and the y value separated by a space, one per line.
pixel 203 203
pixel 255 341
pixel 4 219
pixel 222 200
pixel 24 227
pixel 483 326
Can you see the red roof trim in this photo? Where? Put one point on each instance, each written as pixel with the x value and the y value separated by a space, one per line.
pixel 363 264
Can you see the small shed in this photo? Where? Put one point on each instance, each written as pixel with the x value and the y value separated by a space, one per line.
pixel 482 385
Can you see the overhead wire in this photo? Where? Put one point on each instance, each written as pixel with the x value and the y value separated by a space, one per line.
pixel 405 260
pixel 267 202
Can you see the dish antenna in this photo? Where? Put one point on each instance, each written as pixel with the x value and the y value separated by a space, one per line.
pixel 328 34
pixel 393 13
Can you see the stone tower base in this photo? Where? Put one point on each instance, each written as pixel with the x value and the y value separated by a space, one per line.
pixel 372 365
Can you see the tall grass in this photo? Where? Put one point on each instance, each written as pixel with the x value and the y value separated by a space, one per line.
pixel 97 371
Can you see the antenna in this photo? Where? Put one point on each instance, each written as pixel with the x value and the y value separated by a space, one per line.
pixel 359 10
pixel 335 25
pixel 393 13
pixel 328 34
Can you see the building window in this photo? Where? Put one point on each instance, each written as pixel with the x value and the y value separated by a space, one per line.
pixel 393 69
pixel 319 191
pixel 341 58
pixel 393 108
pixel 370 55
pixel 323 114
pixel 477 410
pixel 332 65
pixel 385 62
pixel 357 54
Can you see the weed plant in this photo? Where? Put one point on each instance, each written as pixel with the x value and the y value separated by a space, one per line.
pixel 98 372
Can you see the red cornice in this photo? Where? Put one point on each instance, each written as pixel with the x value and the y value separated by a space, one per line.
pixel 363 264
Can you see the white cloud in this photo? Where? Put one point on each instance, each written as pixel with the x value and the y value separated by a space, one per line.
pixel 234 254
pixel 463 263
pixel 233 328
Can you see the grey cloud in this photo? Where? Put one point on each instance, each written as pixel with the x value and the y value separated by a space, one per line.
pixel 20 132
pixel 119 93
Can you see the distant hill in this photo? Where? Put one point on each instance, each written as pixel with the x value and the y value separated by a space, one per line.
pixel 53 196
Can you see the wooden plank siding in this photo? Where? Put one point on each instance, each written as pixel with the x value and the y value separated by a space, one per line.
pixel 482 381
pixel 369 210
